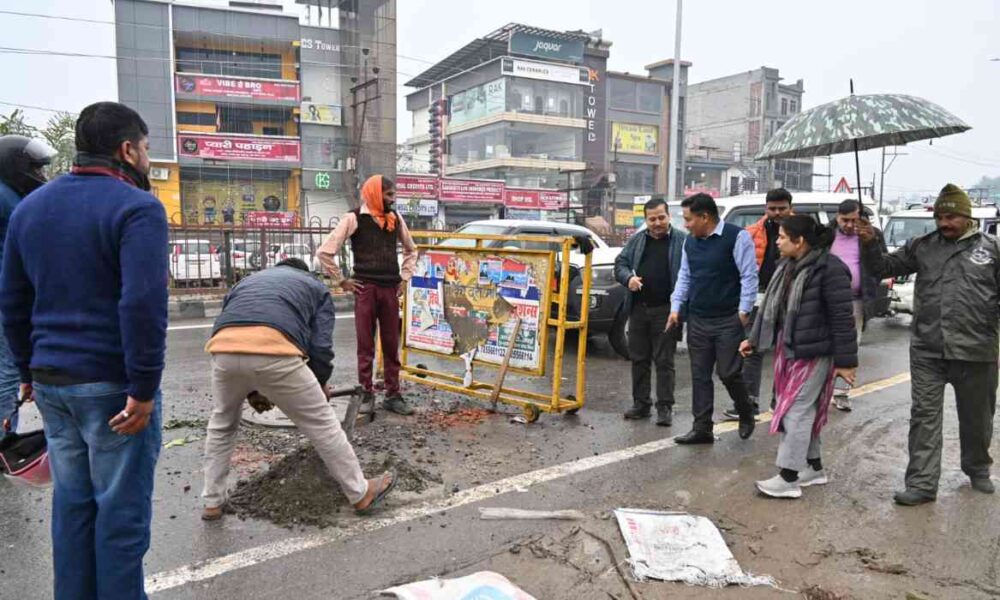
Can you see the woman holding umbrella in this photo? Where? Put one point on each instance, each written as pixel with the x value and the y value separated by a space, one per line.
pixel 806 317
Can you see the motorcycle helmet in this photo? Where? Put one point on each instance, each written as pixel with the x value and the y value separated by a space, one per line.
pixel 23 161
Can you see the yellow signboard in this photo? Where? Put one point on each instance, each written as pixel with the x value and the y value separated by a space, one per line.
pixel 624 218
pixel 321 114
pixel 632 138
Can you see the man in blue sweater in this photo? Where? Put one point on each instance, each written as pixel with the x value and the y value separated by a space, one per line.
pixel 84 300
pixel 718 284
pixel 22 170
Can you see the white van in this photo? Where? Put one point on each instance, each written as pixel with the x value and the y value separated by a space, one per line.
pixel 193 262
pixel 903 226
pixel 747 209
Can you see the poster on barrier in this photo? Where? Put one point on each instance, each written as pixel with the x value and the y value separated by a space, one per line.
pixel 460 300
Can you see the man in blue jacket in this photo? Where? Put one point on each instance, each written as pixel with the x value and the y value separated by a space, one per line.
pixel 84 302
pixel 648 266
pixel 22 170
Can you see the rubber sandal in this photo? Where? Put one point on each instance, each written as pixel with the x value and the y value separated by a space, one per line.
pixel 379 497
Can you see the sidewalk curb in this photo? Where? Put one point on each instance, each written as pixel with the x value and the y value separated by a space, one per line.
pixel 181 309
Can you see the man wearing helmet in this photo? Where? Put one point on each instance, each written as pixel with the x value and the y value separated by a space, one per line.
pixel 22 170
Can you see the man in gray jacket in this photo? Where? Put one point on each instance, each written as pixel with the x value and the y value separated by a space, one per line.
pixel 955 339
pixel 275 337
pixel 648 266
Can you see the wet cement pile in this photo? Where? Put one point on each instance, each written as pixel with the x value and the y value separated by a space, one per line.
pixel 297 490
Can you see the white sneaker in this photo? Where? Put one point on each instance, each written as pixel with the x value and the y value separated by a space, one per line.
pixel 776 487
pixel 810 477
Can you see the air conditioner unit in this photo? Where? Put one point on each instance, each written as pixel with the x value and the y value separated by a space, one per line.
pixel 159 173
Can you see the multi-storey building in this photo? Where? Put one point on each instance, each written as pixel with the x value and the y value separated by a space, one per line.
pixel 245 104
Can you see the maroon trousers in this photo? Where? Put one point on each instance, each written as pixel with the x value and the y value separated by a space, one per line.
pixel 377 304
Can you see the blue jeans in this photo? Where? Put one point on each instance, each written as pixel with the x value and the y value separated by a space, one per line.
pixel 103 491
pixel 10 381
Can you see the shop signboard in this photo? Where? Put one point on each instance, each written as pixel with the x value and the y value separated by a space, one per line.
pixel 271 219
pixel 595 114
pixel 546 46
pixel 529 69
pixel 471 190
pixel 321 114
pixel 632 138
pixel 247 88
pixel 534 199
pixel 237 147
pixel 417 207
pixel 416 186
pixel 639 210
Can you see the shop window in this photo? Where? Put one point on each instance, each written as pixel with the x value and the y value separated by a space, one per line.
pixel 225 62
pixel 650 97
pixel 622 92
pixel 192 118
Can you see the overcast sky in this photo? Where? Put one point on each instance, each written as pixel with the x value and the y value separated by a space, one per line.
pixel 937 50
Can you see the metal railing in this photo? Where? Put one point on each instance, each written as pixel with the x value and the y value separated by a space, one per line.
pixel 213 258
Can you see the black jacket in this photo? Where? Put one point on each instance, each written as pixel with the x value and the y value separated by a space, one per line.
pixel 630 256
pixel 824 325
pixel 291 301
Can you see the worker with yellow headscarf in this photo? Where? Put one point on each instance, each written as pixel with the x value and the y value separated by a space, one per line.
pixel 374 229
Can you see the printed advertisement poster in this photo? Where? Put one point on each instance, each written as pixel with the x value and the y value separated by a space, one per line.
pixel 457 301
pixel 214 202
pixel 232 147
pixel 635 139
pixel 478 102
pixel 321 114
pixel 237 87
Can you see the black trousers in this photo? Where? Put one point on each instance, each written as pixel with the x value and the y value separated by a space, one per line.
pixel 648 345
pixel 714 343
pixel 975 385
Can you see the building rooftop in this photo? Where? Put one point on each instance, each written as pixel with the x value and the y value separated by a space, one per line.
pixel 485 49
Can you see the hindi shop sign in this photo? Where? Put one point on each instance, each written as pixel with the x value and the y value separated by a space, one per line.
pixel 534 199
pixel 270 219
pixel 417 186
pixel 232 147
pixel 237 87
pixel 471 190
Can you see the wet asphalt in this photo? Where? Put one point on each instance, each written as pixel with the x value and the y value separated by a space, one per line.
pixel 845 538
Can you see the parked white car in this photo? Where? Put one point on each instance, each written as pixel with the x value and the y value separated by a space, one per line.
pixel 280 252
pixel 194 262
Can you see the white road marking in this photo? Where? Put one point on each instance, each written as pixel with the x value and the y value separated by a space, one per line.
pixel 210 325
pixel 214 567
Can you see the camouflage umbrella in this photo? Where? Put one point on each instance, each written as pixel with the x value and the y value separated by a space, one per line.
pixel 860 123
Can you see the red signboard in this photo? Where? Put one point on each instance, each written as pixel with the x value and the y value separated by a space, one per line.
pixel 236 147
pixel 270 220
pixel 691 190
pixel 237 87
pixel 471 190
pixel 417 186
pixel 535 199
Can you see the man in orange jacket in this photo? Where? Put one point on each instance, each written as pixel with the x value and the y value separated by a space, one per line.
pixel 778 205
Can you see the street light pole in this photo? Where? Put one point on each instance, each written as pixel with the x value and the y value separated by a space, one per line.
pixel 674 143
